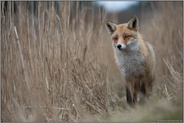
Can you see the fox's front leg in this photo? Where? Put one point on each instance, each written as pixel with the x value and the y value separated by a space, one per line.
pixel 131 92
pixel 128 95
pixel 146 88
pixel 142 93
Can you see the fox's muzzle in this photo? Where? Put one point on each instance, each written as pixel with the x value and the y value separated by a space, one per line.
pixel 121 46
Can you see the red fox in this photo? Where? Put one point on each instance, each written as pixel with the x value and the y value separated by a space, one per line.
pixel 135 57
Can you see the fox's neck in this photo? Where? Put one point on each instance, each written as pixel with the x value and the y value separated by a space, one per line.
pixel 143 47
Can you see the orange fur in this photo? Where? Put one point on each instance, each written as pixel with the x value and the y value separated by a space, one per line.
pixel 135 58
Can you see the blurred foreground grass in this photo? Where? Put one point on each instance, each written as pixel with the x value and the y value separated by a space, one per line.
pixel 159 111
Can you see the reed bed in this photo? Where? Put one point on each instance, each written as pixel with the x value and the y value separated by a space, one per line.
pixel 57 64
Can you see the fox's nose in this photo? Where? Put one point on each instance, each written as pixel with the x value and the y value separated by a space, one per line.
pixel 119 46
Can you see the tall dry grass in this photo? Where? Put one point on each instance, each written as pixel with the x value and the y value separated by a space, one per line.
pixel 50 69
pixel 165 32
pixel 59 65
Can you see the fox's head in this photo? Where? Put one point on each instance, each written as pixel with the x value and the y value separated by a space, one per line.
pixel 124 36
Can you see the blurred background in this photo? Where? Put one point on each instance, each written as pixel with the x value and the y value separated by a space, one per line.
pixel 57 62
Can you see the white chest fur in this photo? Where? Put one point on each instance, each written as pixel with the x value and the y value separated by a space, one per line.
pixel 131 64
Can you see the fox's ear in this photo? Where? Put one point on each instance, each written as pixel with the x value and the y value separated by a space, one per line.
pixel 133 23
pixel 110 26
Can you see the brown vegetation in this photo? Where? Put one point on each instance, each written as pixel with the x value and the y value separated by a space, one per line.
pixel 58 68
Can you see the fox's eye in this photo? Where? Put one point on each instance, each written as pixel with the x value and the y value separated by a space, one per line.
pixel 127 36
pixel 115 38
